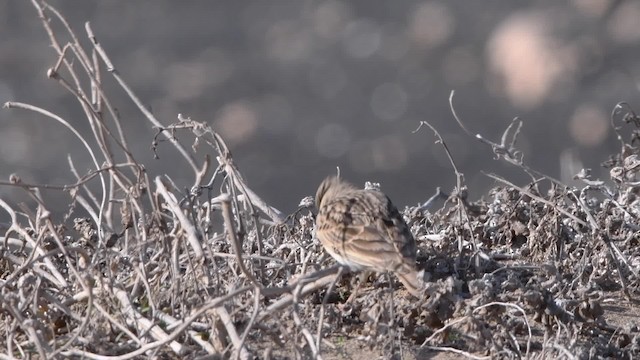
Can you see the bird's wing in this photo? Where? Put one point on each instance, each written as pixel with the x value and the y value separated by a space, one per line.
pixel 366 230
pixel 388 223
pixel 370 246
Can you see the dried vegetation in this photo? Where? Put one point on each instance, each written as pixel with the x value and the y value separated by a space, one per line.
pixel 213 272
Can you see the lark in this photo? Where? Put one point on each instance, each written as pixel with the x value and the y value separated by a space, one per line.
pixel 364 231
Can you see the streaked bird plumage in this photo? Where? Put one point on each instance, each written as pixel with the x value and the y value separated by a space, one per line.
pixel 363 230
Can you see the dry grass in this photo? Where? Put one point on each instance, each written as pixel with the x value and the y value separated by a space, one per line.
pixel 214 272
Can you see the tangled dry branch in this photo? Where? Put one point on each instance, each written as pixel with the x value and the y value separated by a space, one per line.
pixel 150 270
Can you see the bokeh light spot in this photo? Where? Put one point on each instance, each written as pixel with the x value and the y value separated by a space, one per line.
pixel 389 101
pixel 333 140
pixel 237 122
pixel 589 125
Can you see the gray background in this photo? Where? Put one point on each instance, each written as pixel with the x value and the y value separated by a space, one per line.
pixel 300 87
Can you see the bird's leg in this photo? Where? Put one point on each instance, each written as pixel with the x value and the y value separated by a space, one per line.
pixel 391 307
pixel 362 277
pixel 392 317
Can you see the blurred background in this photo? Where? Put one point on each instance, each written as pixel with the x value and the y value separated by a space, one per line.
pixel 298 88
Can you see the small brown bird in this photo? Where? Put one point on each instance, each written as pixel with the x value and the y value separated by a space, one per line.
pixel 363 230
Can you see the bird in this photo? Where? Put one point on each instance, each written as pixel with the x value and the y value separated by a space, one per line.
pixel 362 230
